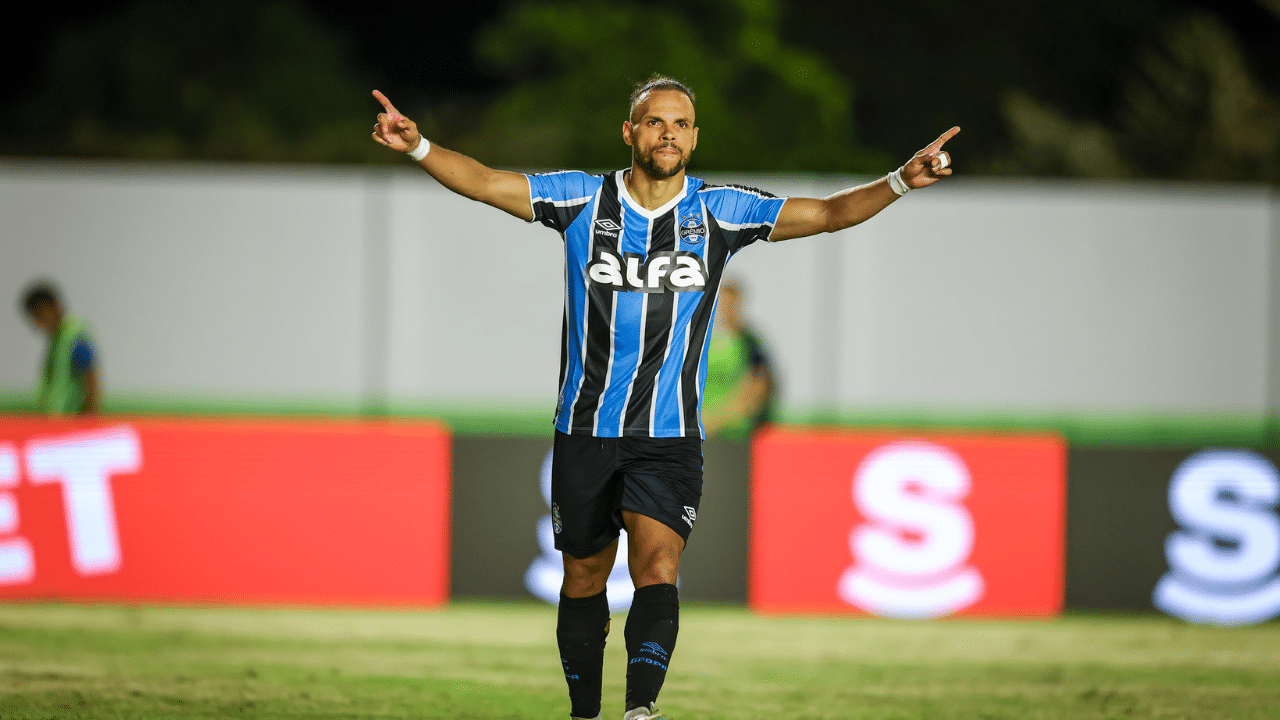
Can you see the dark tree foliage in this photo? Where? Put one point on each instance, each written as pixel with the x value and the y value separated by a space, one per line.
pixel 204 79
pixel 1094 88
pixel 763 104
pixel 1087 88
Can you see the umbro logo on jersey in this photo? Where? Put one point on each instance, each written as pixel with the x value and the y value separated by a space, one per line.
pixel 661 272
pixel 605 226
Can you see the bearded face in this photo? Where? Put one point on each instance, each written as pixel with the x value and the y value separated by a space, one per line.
pixel 661 161
pixel 661 134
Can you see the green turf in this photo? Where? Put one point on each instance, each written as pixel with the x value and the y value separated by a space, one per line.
pixel 496 660
pixel 479 418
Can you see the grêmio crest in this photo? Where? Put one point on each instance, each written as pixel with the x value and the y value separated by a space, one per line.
pixel 692 230
pixel 660 272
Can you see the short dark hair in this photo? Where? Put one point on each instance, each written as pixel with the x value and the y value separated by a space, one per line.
pixel 657 82
pixel 39 293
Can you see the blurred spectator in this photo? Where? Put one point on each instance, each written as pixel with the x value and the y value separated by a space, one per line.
pixel 741 386
pixel 69 383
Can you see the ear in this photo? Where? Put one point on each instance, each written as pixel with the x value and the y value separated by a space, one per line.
pixel 695 139
pixel 626 131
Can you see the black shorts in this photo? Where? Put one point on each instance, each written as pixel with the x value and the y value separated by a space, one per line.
pixel 594 479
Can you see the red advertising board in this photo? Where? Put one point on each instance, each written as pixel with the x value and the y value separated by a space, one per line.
pixel 224 510
pixel 918 526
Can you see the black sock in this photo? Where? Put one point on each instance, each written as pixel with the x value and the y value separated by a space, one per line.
pixel 651 630
pixel 581 628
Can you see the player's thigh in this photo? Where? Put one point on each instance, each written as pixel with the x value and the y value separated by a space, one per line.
pixel 663 480
pixel 586 490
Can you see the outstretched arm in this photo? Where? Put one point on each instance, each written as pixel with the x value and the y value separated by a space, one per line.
pixel 502 189
pixel 801 217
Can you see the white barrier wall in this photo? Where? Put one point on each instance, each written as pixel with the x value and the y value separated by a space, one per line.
pixel 203 281
pixel 1041 296
pixel 338 285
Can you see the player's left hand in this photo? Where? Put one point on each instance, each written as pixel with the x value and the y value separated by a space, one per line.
pixel 930 164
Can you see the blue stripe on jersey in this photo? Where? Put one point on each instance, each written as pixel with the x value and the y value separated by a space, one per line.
pixel 629 310
pixel 668 406
pixel 634 310
pixel 601 320
pixel 577 239
pixel 574 300
pixel 669 416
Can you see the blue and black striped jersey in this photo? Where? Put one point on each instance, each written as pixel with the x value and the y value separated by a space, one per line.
pixel 640 295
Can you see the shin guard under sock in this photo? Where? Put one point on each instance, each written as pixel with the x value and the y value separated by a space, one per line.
pixel 582 625
pixel 650 634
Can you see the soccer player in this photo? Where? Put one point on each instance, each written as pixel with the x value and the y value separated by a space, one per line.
pixel 645 249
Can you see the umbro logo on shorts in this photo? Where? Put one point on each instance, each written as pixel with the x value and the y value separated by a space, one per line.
pixel 690 515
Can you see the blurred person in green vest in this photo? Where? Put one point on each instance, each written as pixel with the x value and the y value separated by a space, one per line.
pixel 69 383
pixel 741 386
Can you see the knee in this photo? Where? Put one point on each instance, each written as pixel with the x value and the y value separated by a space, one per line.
pixel 655 568
pixel 585 577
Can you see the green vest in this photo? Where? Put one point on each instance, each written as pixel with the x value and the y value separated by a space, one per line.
pixel 60 390
pixel 728 360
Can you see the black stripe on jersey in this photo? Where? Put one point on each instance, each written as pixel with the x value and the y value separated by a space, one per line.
pixel 717 257
pixel 564 353
pixel 598 339
pixel 735 186
pixel 658 319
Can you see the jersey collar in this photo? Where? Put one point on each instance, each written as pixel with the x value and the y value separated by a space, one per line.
pixel 625 194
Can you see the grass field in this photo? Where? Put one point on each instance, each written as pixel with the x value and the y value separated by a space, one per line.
pixel 497 660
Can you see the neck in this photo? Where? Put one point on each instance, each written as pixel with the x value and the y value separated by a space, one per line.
pixel 731 327
pixel 649 192
pixel 55 324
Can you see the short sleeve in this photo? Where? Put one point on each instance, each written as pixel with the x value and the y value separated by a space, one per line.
pixel 745 214
pixel 756 356
pixel 558 197
pixel 82 355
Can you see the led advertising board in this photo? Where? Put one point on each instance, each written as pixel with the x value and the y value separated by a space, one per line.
pixel 907 526
pixel 1193 532
pixel 238 511
pixel 504 544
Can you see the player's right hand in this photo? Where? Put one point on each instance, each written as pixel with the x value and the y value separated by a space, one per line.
pixel 393 129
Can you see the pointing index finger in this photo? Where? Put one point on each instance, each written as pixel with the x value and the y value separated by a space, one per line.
pixel 936 145
pixel 377 94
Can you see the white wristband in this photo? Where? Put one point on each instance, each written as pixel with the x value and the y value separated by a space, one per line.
pixel 424 147
pixel 897 184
